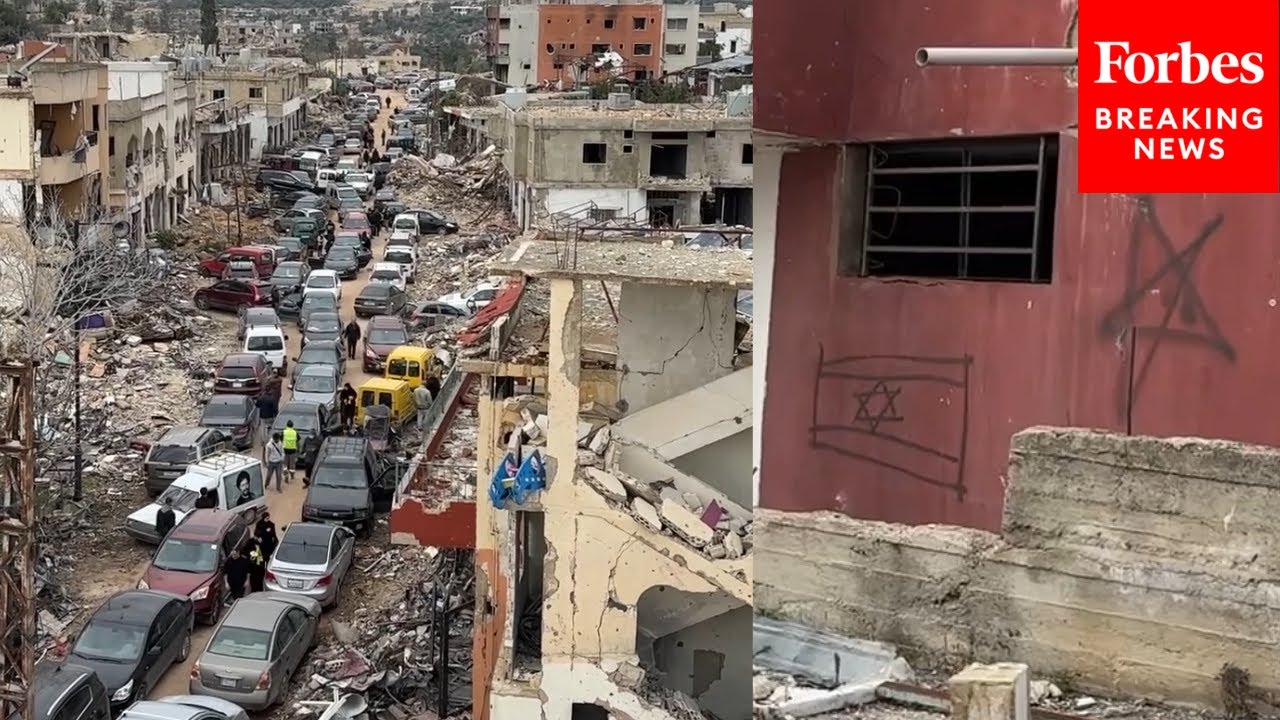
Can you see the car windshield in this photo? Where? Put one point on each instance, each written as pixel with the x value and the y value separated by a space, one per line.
pixel 190 556
pixel 405 224
pixel 320 302
pixel 222 413
pixel 376 292
pixel 318 356
pixel 339 477
pixel 322 282
pixel 181 498
pixel 240 643
pixel 388 336
pixel 346 192
pixel 287 272
pixel 303 420
pixel 402 258
pixel 342 252
pixel 315 383
pixel 173 454
pixel 385 276
pixel 236 372
pixel 111 641
pixel 264 343
pixel 300 553
pixel 323 324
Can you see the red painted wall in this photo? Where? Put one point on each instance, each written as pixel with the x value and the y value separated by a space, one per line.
pixel 1159 319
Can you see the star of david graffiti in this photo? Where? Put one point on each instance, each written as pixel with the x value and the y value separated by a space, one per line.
pixel 1186 320
pixel 876 406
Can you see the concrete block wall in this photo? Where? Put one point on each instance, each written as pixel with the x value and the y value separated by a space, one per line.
pixel 1129 565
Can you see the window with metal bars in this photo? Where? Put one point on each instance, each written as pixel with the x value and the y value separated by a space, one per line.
pixel 972 209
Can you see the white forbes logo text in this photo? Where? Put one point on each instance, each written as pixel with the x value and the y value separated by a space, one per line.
pixel 1184 66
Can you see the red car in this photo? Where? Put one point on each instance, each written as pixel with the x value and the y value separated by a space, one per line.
pixel 263 258
pixel 190 559
pixel 246 374
pixel 382 335
pixel 234 295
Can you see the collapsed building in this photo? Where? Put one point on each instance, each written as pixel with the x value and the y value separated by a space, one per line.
pixel 619 159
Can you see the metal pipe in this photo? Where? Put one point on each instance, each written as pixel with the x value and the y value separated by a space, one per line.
pixel 78 468
pixel 1007 56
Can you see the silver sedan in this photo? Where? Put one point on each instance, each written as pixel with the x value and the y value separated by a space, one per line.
pixel 183 707
pixel 312 560
pixel 256 649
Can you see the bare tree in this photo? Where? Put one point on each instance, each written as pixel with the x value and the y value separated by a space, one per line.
pixel 52 276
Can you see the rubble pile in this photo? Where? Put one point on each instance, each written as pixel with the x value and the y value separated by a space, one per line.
pixel 394 657
pixel 708 526
pixel 470 186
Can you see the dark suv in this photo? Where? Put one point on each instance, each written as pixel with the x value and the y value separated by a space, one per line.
pixel 67 690
pixel 348 485
pixel 175 450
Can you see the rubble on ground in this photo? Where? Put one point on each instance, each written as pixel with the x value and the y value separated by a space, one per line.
pixel 391 655
pixel 708 526
pixel 469 185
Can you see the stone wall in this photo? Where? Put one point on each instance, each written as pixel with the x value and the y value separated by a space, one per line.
pixel 1128 565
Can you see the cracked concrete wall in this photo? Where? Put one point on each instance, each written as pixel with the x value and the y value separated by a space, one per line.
pixel 672 339
pixel 1129 565
pixel 711 662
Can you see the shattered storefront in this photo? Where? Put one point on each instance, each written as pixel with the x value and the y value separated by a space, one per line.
pixel 606 589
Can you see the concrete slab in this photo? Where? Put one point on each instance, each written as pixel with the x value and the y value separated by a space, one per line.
pixel 634 261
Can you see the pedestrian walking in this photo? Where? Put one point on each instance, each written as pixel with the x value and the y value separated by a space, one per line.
pixel 347 406
pixel 257 566
pixel 275 458
pixel 265 531
pixel 388 103
pixel 384 137
pixel 165 519
pixel 236 571
pixel 268 408
pixel 289 440
pixel 352 334
pixel 422 399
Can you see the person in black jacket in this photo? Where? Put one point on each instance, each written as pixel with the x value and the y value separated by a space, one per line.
pixel 237 572
pixel 206 501
pixel 352 334
pixel 165 519
pixel 257 566
pixel 265 531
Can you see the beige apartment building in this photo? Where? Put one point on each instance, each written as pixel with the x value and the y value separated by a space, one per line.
pixel 659 165
pixel 273 96
pixel 53 144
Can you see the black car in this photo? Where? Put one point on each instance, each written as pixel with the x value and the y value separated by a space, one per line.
pixel 380 299
pixel 322 326
pixel 66 690
pixel 313 423
pixel 346 238
pixel 343 260
pixel 393 208
pixel 289 276
pixel 235 416
pixel 132 639
pixel 288 199
pixel 289 306
pixel 315 302
pixel 430 221
pixel 280 181
pixel 348 485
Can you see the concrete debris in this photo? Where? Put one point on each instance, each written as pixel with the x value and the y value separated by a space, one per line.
pixel 394 659
pixel 1042 690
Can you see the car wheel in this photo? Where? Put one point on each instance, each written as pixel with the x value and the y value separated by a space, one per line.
pixel 202 302
pixel 242 307
pixel 185 652
pixel 442 230
pixel 216 613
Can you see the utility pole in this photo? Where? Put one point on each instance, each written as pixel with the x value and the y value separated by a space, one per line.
pixel 18 542
pixel 77 468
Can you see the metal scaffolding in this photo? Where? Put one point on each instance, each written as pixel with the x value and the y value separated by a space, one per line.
pixel 17 542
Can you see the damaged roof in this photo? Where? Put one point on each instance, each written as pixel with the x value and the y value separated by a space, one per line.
pixel 639 262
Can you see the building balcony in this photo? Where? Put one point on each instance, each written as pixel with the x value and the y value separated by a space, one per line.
pixel 692 183
pixel 69 167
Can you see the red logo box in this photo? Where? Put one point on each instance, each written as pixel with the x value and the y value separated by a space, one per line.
pixel 1178 97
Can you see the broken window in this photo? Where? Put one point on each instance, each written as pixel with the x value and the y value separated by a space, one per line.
pixel 588 711
pixel 531 553
pixel 594 153
pixel 637 23
pixel 504 23
pixel 674 49
pixel 608 24
pixel 748 153
pixel 643 49
pixel 978 209
pixel 599 48
pixel 668 161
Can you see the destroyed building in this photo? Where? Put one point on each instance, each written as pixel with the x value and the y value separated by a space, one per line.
pixel 653 164
pixel 53 151
pixel 153 144
pixel 624 586
pixel 272 94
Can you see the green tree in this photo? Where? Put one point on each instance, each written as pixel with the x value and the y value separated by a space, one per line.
pixel 209 23
pixel 57 12
pixel 660 92
pixel 14 25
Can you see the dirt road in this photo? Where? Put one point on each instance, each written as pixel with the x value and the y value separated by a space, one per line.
pixel 286 506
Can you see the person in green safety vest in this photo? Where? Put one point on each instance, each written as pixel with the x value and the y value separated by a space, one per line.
pixel 289 438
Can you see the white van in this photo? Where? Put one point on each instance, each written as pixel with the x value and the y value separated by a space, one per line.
pixel 269 342
pixel 328 176
pixel 404 256
pixel 236 479
pixel 406 221
pixel 413 93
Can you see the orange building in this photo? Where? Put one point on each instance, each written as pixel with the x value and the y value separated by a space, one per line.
pixel 571 38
